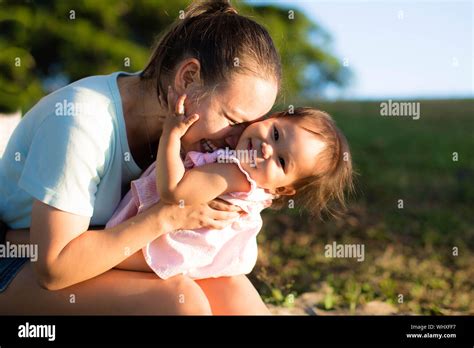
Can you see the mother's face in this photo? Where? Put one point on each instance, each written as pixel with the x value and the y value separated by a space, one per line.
pixel 224 111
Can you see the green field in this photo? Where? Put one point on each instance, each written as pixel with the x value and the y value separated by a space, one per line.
pixel 408 251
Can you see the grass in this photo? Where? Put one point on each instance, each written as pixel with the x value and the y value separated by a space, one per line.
pixel 410 253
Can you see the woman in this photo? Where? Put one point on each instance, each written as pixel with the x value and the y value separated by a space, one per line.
pixel 79 148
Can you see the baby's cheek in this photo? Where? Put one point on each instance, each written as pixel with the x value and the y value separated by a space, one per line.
pixel 255 174
pixel 267 178
pixel 276 177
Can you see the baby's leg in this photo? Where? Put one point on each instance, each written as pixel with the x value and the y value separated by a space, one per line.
pixel 136 262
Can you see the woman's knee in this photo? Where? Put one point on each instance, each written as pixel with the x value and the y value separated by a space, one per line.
pixel 184 295
pixel 233 296
pixel 238 285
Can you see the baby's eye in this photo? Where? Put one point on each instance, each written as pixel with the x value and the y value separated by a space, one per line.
pixel 276 135
pixel 282 162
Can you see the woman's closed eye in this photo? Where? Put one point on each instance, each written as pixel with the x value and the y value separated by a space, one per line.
pixel 231 121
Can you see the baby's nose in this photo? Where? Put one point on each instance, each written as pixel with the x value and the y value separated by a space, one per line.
pixel 267 150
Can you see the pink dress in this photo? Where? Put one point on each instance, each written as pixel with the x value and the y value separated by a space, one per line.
pixel 200 253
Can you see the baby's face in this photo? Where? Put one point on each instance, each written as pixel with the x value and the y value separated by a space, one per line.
pixel 285 153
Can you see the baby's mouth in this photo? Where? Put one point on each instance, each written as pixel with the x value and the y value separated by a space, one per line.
pixel 207 146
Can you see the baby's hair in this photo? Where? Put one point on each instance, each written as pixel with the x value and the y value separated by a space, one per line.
pixel 223 41
pixel 324 191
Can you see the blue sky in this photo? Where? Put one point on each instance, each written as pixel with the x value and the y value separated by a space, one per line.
pixel 399 49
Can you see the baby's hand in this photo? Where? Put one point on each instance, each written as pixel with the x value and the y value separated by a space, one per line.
pixel 176 123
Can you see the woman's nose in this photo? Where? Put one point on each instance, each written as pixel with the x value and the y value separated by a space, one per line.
pixel 267 150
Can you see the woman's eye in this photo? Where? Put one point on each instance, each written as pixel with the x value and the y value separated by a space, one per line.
pixel 282 162
pixel 276 135
pixel 230 121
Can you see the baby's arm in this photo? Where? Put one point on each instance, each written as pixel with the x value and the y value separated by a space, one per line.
pixel 198 185
pixel 203 184
pixel 169 166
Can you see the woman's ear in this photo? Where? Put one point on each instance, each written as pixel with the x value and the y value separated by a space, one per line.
pixel 188 74
pixel 284 191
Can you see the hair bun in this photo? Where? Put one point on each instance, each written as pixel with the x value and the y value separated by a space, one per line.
pixel 198 8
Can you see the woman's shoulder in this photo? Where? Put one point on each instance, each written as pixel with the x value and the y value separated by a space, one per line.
pixel 81 115
pixel 88 102
pixel 85 97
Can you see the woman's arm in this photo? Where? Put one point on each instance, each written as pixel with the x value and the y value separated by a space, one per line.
pixel 69 253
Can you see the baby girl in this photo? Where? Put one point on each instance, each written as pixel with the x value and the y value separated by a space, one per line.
pixel 299 158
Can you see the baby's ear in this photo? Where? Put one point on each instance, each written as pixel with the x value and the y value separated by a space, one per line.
pixel 285 191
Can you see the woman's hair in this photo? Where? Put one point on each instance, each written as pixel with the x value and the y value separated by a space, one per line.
pixel 223 41
pixel 324 191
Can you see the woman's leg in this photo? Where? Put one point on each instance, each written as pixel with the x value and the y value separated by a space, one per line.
pixel 233 296
pixel 114 292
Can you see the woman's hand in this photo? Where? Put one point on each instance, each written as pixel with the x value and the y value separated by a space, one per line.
pixel 220 204
pixel 68 249
pixel 213 215
pixel 176 123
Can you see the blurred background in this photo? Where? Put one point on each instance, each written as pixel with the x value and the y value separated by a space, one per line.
pixel 345 57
